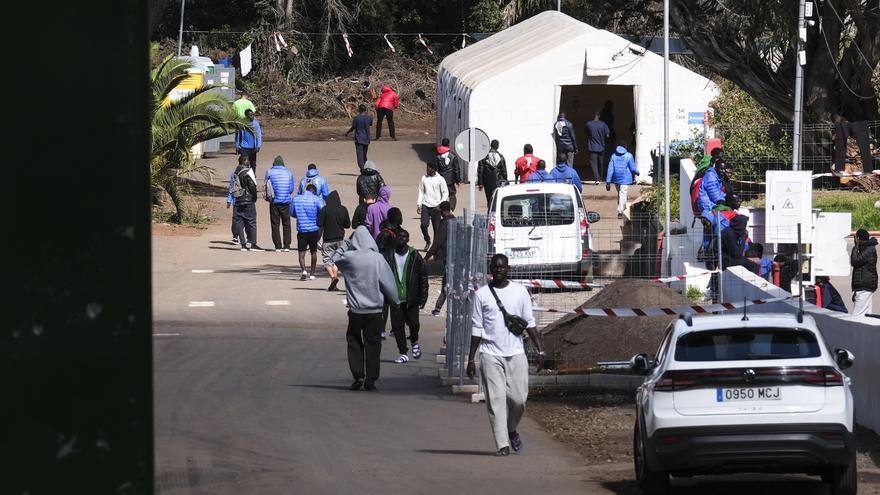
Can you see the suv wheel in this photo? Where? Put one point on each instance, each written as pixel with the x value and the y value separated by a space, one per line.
pixel 651 482
pixel 844 480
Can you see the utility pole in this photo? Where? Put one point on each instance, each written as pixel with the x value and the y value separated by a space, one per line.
pixel 559 5
pixel 799 88
pixel 180 34
pixel 666 123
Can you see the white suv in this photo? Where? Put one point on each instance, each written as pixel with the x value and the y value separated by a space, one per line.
pixel 737 393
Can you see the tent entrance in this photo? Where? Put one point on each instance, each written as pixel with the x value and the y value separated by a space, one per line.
pixel 579 102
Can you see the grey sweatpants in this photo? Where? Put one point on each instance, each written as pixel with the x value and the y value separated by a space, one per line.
pixel 506 381
pixel 863 303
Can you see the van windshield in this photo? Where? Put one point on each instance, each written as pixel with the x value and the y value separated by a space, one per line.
pixel 537 209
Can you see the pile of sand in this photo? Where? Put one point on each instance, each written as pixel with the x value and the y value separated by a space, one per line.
pixel 576 343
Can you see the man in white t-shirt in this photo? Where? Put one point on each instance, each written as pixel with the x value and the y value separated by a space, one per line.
pixel 503 364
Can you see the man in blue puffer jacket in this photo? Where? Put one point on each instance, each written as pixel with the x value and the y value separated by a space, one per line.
pixel 305 208
pixel 564 174
pixel 312 177
pixel 621 172
pixel 281 180
pixel 713 189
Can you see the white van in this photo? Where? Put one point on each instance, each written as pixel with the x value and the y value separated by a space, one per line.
pixel 542 227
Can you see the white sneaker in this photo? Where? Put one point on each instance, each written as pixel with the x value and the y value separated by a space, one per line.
pixel 277 250
pixel 304 276
pixel 402 359
pixel 311 277
pixel 286 250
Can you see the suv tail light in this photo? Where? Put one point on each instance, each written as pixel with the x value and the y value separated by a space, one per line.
pixel 820 376
pixel 584 225
pixel 492 229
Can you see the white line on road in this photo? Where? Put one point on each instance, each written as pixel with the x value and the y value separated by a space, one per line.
pixel 203 271
pixel 201 304
pixel 166 335
pixel 277 303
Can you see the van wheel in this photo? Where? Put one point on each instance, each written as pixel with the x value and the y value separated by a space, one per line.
pixel 844 480
pixel 650 481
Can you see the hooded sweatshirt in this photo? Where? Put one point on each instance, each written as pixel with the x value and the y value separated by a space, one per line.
pixel 621 167
pixel 492 170
pixel 447 166
pixel 319 181
pixel 370 180
pixel 733 242
pixel 564 174
pixel 563 133
pixel 863 259
pixel 368 278
pixel 540 175
pixel 333 218
pixel 388 99
pixel 378 211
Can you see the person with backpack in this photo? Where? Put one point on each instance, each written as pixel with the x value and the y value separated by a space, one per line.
pixel 244 213
pixel 332 220
pixel 449 167
pixel 526 164
pixel 305 208
pixel 248 142
pixel 361 124
pixel 279 181
pixel 564 173
pixel 566 141
pixel 491 171
pixel 621 172
pixel 411 279
pixel 230 202
pixel 312 177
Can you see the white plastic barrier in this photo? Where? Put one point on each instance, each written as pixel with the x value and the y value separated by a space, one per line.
pixel 861 335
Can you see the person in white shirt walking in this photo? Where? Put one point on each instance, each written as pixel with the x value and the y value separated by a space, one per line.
pixel 503 364
pixel 432 191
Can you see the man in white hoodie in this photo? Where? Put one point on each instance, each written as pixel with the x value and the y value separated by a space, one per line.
pixel 432 191
pixel 365 270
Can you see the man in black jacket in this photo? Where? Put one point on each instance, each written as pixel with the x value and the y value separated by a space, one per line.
pixel 411 278
pixel 438 251
pixel 491 171
pixel 244 213
pixel 447 165
pixel 369 182
pixel 864 277
pixel 333 220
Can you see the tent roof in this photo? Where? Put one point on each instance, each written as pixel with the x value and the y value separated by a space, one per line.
pixel 513 46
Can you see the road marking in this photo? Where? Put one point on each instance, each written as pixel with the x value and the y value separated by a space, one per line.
pixel 201 304
pixel 203 271
pixel 277 303
pixel 166 335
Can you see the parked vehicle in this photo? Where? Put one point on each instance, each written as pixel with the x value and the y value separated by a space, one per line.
pixel 542 227
pixel 737 393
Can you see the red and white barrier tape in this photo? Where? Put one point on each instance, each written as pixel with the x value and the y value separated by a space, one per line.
pixel 628 312
pixel 347 45
pixel 425 44
pixel 389 44
pixel 558 284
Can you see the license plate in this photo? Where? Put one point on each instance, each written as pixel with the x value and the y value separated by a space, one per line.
pixel 520 254
pixel 747 394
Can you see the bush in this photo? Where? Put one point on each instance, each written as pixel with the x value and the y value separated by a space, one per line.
pixel 655 199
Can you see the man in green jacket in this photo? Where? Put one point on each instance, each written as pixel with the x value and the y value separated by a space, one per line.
pixel 411 279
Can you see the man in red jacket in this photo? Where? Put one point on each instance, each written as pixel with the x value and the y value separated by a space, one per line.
pixel 385 106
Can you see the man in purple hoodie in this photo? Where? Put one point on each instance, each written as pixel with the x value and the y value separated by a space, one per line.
pixel 378 211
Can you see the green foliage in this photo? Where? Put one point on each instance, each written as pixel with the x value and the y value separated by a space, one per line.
pixel 742 126
pixel 689 148
pixel 656 199
pixel 179 125
pixel 860 204
pixel 486 17
pixel 694 293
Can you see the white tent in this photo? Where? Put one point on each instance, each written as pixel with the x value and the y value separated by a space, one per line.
pixel 514 83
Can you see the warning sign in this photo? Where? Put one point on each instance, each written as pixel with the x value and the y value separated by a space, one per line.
pixel 788 205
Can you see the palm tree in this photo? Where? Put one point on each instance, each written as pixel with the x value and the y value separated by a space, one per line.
pixel 179 125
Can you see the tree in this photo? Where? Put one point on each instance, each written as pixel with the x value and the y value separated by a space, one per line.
pixel 179 125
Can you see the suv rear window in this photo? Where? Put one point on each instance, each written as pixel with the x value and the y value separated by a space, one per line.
pixel 742 344
pixel 537 209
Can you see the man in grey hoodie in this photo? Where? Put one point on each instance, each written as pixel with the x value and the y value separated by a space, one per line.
pixel 365 270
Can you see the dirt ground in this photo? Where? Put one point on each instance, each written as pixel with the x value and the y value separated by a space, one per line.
pixel 600 428
pixel 406 129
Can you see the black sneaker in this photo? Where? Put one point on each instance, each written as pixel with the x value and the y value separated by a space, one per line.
pixel 356 385
pixel 369 386
pixel 515 441
pixel 333 285
pixel 436 312
pixel 254 247
pixel 503 452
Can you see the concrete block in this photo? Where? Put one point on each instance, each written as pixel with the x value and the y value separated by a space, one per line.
pixel 441 358
pixel 465 389
pixel 477 398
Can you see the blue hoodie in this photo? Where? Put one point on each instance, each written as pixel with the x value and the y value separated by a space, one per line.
pixel 319 181
pixel 540 176
pixel 305 208
pixel 248 139
pixel 282 183
pixel 567 175
pixel 621 167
